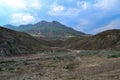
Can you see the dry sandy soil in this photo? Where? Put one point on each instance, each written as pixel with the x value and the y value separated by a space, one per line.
pixel 68 67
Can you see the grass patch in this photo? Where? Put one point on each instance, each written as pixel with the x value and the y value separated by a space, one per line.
pixel 100 53
pixel 11 61
pixel 5 65
pixel 88 52
pixel 60 50
pixel 52 65
pixel 113 55
pixel 70 65
pixel 57 59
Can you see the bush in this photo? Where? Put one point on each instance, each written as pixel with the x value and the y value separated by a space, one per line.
pixel 57 59
pixel 114 56
pixel 18 68
pixel 10 69
pixel 5 65
pixel 70 65
pixel 0 69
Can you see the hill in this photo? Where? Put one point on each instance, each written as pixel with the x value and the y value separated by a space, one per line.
pixel 18 43
pixel 109 39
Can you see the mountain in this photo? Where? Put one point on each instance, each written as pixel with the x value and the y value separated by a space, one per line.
pixel 109 39
pixel 53 30
pixel 49 30
pixel 18 43
pixel 9 26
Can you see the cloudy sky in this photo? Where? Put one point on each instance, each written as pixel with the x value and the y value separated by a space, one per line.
pixel 89 16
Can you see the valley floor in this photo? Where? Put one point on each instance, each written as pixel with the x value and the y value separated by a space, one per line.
pixel 59 67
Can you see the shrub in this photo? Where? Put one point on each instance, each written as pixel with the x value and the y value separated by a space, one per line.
pixel 10 69
pixel 0 69
pixel 4 65
pixel 57 59
pixel 113 55
pixel 69 65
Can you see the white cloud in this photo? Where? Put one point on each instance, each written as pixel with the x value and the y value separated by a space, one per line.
pixel 107 4
pixel 83 4
pixel 21 4
pixel 112 25
pixel 59 10
pixel 71 12
pixel 16 4
pixel 36 4
pixel 56 10
pixel 83 25
pixel 20 18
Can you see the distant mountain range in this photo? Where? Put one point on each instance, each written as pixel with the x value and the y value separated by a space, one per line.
pixel 48 30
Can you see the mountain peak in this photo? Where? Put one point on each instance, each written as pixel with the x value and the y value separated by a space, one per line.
pixel 44 21
pixel 56 22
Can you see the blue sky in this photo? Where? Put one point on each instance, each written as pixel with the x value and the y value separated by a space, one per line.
pixel 89 16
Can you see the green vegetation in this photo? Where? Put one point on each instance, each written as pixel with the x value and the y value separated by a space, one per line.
pixel 57 59
pixel 88 52
pixel 113 55
pixel 11 69
pixel 70 65
pixel 18 68
pixel 60 50
pixel 100 53
pixel 0 69
pixel 5 65
pixel 52 65
pixel 11 65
